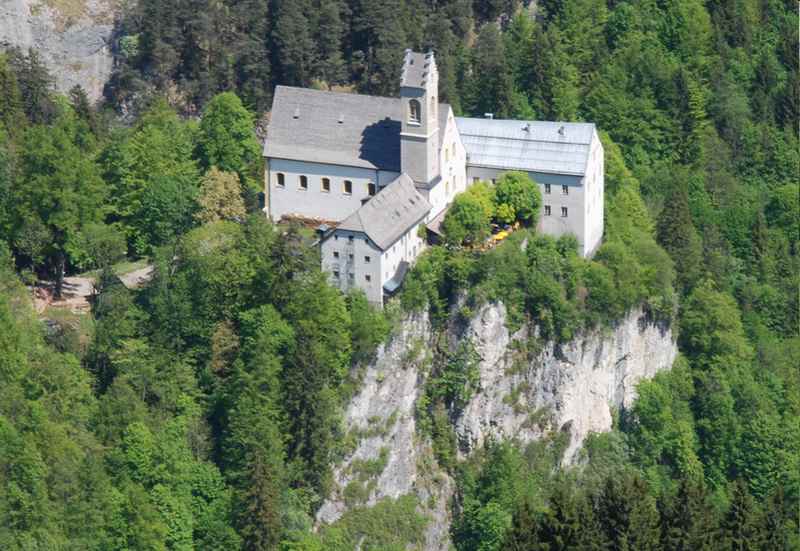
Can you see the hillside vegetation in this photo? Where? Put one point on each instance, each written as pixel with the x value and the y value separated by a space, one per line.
pixel 203 411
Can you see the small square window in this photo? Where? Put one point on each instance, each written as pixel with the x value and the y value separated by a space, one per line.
pixel 349 238
pixel 547 188
pixel 366 260
pixel 335 254
pixel 304 183
pixel 350 257
pixel 563 212
pixel 348 187
pixel 336 274
pixel 281 180
pixel 564 190
pixel 326 185
pixel 371 189
pixel 547 210
pixel 368 277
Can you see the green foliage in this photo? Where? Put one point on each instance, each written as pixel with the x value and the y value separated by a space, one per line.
pixel 389 524
pixel 466 221
pixel 204 411
pixel 226 138
pixel 519 197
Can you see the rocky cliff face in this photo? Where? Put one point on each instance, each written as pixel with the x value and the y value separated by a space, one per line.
pixel 72 36
pixel 526 390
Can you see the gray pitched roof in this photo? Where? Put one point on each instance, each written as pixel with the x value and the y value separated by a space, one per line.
pixel 535 146
pixel 336 128
pixel 390 213
pixel 416 69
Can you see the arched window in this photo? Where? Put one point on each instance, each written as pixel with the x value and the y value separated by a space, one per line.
pixel 414 111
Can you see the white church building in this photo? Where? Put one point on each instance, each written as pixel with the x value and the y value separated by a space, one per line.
pixel 374 172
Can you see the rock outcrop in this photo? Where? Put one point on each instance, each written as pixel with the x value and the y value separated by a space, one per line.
pixel 572 386
pixel 527 388
pixel 72 37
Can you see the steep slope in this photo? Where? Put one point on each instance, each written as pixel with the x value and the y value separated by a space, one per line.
pixel 525 392
pixel 72 37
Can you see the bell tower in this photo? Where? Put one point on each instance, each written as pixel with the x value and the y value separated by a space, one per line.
pixel 419 138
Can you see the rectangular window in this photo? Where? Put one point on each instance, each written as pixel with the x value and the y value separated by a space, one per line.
pixel 494 182
pixel 335 254
pixel 547 188
pixel 351 276
pixel 563 212
pixel 547 210
pixel 304 183
pixel 281 180
pixel 349 238
pixel 371 189
pixel 366 260
pixel 350 257
pixel 336 274
pixel 348 187
pixel 368 277
pixel 564 190
pixel 326 185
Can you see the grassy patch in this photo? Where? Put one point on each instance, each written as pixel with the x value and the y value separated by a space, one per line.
pixel 389 525
pixel 68 331
pixel 120 268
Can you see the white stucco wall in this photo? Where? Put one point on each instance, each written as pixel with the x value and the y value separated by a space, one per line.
pixel 594 191
pixel 554 224
pixel 453 168
pixel 407 248
pixel 352 261
pixel 315 203
pixel 381 267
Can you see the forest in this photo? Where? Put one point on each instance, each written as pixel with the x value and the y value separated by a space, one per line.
pixel 204 410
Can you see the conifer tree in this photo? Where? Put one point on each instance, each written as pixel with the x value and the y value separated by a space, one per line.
pixel 628 514
pixel 688 522
pixel 742 525
pixel 329 36
pixel 295 53
pixel 676 233
pixel 492 87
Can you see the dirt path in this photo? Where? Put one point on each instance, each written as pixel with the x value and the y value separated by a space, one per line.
pixel 77 290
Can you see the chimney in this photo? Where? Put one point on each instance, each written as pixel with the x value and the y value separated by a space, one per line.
pixel 527 127
pixel 489 116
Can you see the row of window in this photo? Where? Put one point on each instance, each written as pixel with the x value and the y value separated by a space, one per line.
pixel 564 189
pixel 325 185
pixel 367 259
pixel 548 211
pixel 351 276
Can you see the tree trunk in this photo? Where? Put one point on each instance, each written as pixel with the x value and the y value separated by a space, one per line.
pixel 61 262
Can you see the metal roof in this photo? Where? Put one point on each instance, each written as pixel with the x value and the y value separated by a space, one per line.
pixel 338 128
pixel 390 213
pixel 394 284
pixel 534 146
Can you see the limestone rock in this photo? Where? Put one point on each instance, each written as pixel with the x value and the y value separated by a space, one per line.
pixel 527 388
pixel 72 36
